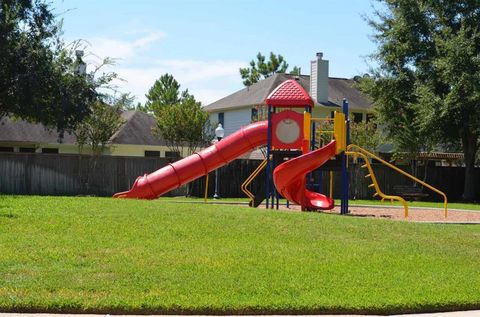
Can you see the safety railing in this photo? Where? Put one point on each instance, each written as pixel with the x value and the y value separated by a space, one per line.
pixel 246 183
pixel 374 184
pixel 353 149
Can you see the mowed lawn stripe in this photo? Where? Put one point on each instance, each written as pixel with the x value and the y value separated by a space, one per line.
pixel 72 254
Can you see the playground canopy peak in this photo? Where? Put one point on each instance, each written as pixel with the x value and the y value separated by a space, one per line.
pixel 289 94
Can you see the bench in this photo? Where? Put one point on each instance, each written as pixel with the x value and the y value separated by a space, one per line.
pixel 409 192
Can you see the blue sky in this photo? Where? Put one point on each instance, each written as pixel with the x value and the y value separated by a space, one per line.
pixel 203 43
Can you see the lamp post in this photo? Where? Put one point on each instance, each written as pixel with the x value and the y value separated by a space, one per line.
pixel 219 133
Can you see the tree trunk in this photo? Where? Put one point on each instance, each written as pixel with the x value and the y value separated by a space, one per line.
pixel 470 146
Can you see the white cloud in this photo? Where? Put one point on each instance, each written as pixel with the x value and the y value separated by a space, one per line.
pixel 207 80
pixel 139 67
pixel 208 96
pixel 121 49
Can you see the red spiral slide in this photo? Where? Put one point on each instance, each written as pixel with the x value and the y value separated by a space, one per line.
pixel 194 166
pixel 289 178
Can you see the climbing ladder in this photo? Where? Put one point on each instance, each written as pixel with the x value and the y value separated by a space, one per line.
pixel 356 151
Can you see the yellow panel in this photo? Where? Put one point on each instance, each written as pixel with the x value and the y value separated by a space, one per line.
pixel 307 117
pixel 339 133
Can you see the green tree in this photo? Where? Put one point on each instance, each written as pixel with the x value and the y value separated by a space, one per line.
pixel 295 71
pixel 184 124
pixel 124 101
pixel 366 135
pixel 428 78
pixel 38 82
pixel 99 126
pixel 261 68
pixel 164 92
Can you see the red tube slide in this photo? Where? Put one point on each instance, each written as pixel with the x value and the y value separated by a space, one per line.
pixel 289 178
pixel 194 166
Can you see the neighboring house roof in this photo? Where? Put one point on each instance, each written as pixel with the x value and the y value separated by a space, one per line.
pixel 338 89
pixel 137 129
pixel 15 130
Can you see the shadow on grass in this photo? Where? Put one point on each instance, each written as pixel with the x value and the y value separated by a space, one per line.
pixel 386 310
pixel 7 214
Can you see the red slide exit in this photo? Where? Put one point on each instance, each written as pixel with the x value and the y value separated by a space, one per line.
pixel 289 178
pixel 194 166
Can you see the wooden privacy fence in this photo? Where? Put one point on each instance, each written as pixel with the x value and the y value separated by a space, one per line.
pixel 447 179
pixel 63 174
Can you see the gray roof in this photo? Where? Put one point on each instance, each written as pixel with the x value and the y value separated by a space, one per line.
pixel 137 129
pixel 16 130
pixel 338 88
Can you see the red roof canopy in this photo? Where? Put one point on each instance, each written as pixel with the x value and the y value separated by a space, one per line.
pixel 289 94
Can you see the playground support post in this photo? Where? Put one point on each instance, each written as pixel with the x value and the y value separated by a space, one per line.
pixel 206 188
pixel 269 163
pixel 345 185
pixel 215 195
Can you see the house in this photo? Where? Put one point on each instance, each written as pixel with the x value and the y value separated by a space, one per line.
pixel 247 105
pixel 134 138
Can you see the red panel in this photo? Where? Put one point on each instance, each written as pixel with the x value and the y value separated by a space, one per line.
pixel 289 94
pixel 287 130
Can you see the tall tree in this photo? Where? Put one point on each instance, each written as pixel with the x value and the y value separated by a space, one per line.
pixel 37 71
pixel 184 124
pixel 99 126
pixel 366 135
pixel 123 101
pixel 261 68
pixel 429 72
pixel 164 92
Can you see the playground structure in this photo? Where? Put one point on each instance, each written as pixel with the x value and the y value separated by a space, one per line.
pixel 296 145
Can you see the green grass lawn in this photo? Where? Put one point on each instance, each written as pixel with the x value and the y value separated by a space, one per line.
pixel 60 254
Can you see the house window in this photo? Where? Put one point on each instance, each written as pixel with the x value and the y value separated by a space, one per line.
pixel 6 149
pixel 370 117
pixel 357 117
pixel 172 154
pixel 50 150
pixel 332 114
pixel 254 115
pixel 152 153
pixel 221 118
pixel 26 150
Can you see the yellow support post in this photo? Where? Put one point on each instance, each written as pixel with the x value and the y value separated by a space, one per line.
pixel 307 131
pixel 206 188
pixel 339 131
